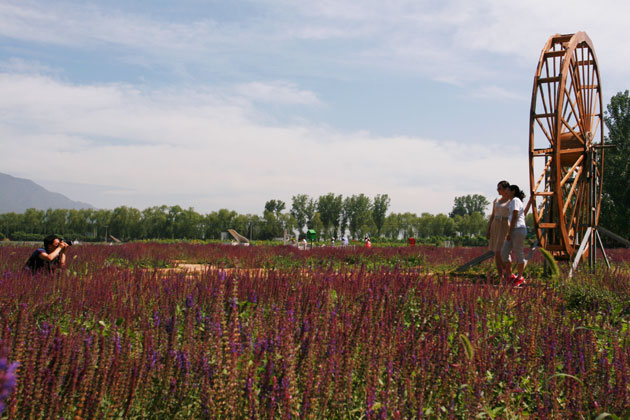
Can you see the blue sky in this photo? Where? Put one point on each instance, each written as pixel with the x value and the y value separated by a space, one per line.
pixel 214 104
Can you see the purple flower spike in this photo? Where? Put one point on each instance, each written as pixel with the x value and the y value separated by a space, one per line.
pixel 8 379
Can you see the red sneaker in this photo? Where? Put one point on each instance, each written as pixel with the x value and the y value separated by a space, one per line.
pixel 519 282
pixel 511 278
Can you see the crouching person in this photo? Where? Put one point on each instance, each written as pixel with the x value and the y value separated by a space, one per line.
pixel 49 258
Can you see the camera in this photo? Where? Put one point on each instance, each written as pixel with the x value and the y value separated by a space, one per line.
pixel 68 241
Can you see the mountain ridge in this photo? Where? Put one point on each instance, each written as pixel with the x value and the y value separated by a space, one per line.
pixel 20 194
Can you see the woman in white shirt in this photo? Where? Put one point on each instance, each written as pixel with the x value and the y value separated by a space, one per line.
pixel 516 236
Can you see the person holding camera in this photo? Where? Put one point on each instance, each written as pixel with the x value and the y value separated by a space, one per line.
pixel 51 257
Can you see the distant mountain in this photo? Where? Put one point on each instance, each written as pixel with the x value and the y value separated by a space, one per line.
pixel 19 194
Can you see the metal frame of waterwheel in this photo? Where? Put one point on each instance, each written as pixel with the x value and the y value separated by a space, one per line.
pixel 565 159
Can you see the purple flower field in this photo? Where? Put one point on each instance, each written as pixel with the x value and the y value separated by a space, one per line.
pixel 330 333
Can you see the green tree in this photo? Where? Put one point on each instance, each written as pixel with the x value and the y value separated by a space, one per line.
pixel 10 223
pixel 358 212
pixel 55 221
pixel 330 207
pixel 78 222
pixel 391 227
pixel 424 225
pixel 408 225
pixel 274 225
pixel 316 224
pixel 379 210
pixel 288 223
pixel 468 204
pixel 220 221
pixel 442 225
pixel 101 223
pixel 125 223
pixel 154 220
pixel 32 221
pixel 275 207
pixel 615 212
pixel 470 224
pixel 187 224
pixel 172 218
pixel 249 225
pixel 303 210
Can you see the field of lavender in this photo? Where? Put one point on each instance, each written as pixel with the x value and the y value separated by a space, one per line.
pixel 331 333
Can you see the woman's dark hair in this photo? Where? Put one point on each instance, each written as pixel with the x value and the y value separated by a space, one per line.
pixel 517 191
pixel 503 184
pixel 48 240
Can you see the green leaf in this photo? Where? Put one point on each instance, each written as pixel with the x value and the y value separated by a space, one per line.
pixel 604 415
pixel 468 348
pixel 553 265
pixel 594 329
pixel 566 375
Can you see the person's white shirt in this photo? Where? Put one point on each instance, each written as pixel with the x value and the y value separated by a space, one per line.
pixel 517 205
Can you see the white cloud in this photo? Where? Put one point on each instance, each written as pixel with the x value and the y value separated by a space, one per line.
pixel 460 42
pixel 21 66
pixel 456 41
pixel 498 93
pixel 159 147
pixel 277 92
pixel 72 24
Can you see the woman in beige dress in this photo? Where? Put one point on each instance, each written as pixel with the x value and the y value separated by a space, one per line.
pixel 498 225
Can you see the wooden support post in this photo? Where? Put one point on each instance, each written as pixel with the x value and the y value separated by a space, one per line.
pixel 613 236
pixel 578 256
pixel 601 245
pixel 476 261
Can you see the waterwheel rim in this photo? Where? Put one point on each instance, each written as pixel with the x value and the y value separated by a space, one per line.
pixel 566 128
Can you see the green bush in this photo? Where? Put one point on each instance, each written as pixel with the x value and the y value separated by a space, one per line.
pixel 23 236
pixel 592 294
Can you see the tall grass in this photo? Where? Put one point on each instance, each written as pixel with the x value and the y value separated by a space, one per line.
pixel 337 340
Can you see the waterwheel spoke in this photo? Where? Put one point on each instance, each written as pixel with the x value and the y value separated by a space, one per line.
pixel 572 131
pixel 549 137
pixel 577 208
pixel 566 119
pixel 547 114
pixel 580 68
pixel 575 100
pixel 590 83
pixel 542 176
pixel 576 110
pixel 570 171
pixel 574 185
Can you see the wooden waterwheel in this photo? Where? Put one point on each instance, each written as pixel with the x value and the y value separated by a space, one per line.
pixel 565 137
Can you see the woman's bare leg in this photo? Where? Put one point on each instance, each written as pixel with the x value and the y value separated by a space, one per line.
pixel 499 262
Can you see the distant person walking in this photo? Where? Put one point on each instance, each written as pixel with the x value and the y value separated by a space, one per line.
pixel 49 258
pixel 368 243
pixel 516 236
pixel 498 225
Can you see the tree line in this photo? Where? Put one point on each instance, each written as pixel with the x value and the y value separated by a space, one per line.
pixel 615 210
pixel 330 215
